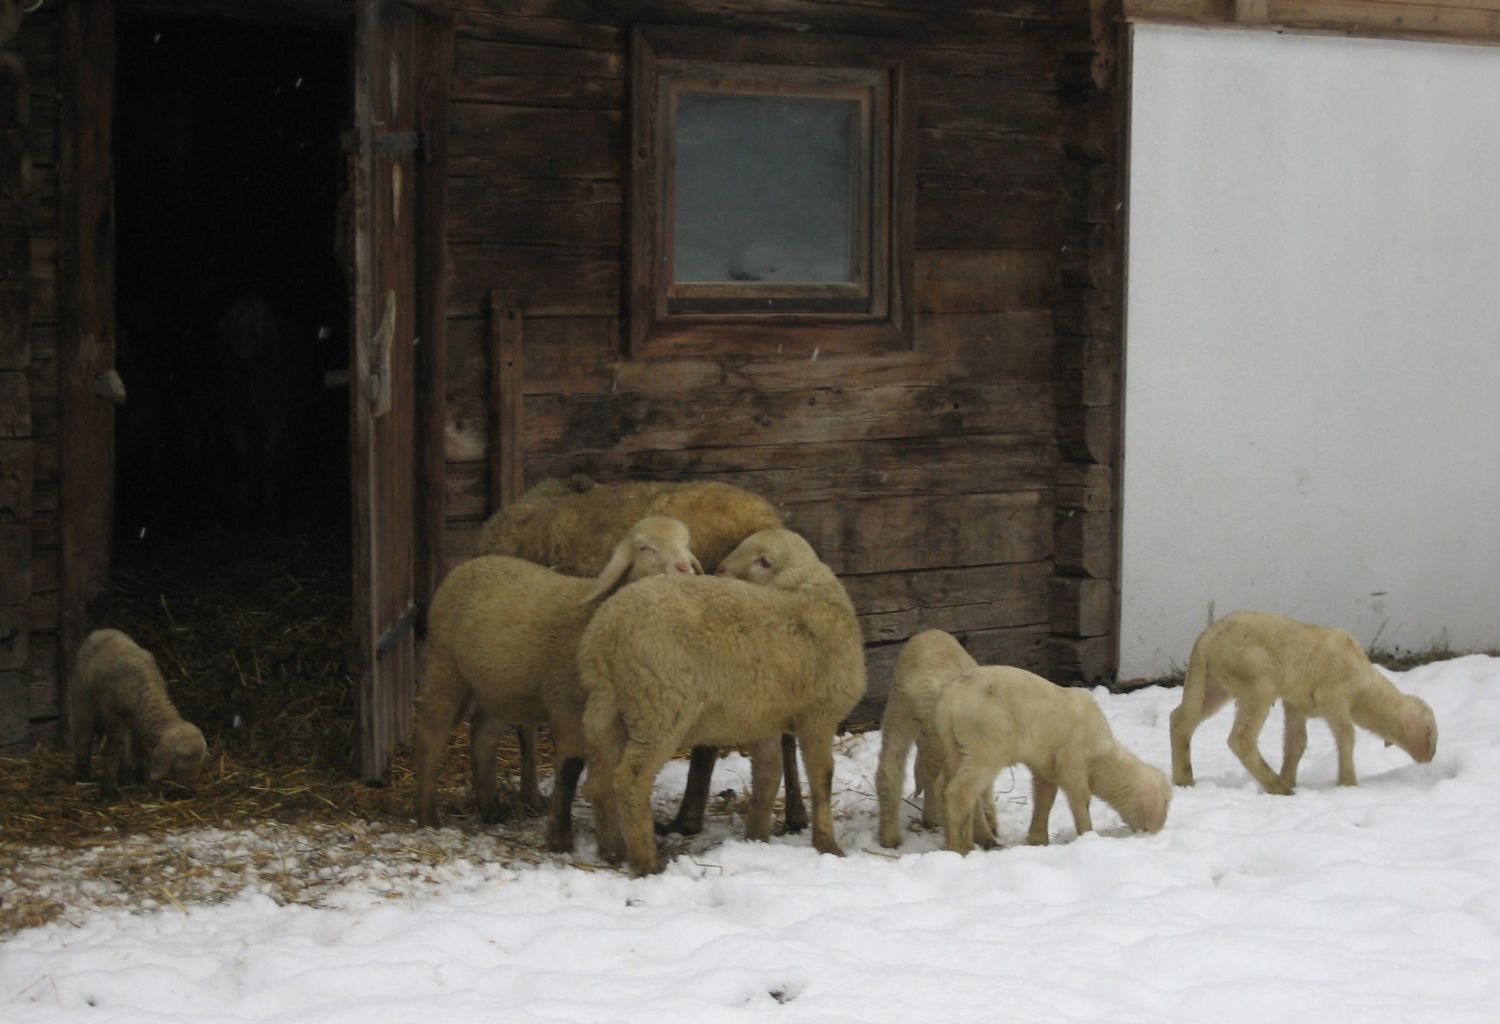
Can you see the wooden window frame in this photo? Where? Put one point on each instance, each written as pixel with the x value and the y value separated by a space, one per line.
pixel 874 313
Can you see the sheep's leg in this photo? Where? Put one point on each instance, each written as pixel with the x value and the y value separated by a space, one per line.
pixel 1200 699
pixel 531 791
pixel 1249 718
pixel 116 757
pixel 984 818
pixel 85 720
pixel 1075 787
pixel 1043 795
pixel 485 732
pixel 930 782
pixel 567 738
pixel 438 710
pixel 689 820
pixel 965 783
pixel 795 809
pixel 633 779
pixel 817 752
pixel 560 806
pixel 1294 742
pixel 897 732
pixel 765 778
pixel 1343 739
pixel 604 736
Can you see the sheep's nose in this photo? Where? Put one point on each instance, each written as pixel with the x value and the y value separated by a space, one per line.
pixel 683 568
pixel 721 571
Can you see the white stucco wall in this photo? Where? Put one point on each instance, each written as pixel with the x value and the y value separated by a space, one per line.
pixel 1312 399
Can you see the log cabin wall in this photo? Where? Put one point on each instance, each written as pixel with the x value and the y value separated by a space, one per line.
pixel 961 484
pixel 29 317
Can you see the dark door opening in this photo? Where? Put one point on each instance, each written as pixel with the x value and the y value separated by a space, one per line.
pixel 232 307
pixel 232 539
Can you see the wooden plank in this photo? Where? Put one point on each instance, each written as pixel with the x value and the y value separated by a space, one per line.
pixel 1081 661
pixel 936 531
pixel 542 280
pixel 636 422
pixel 15 555
pixel 894 606
pixel 988 220
pixel 1085 487
pixel 15 405
pixel 529 75
pixel 86 338
pixel 1085 543
pixel 1082 607
pixel 15 631
pixel 507 451
pixel 15 325
pixel 532 211
pixel 15 721
pixel 542 142
pixel 980 281
pixel 435 51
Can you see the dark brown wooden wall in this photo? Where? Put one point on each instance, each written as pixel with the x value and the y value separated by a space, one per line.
pixel 940 483
pixel 29 563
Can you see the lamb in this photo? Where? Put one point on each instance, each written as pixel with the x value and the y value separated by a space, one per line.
pixel 568 525
pixel 927 663
pixel 503 633
pixel 117 691
pixel 1257 658
pixel 770 645
pixel 991 717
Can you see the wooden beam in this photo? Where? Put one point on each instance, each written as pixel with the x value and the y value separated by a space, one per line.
pixel 1463 21
pixel 507 423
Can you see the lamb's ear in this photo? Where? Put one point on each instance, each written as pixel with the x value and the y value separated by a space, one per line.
pixel 614 572
pixel 697 565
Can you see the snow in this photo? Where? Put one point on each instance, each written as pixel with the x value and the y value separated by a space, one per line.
pixel 1376 903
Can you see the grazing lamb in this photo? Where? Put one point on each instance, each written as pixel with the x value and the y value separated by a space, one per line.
pixel 503 633
pixel 568 524
pixel 1257 658
pixel 991 717
pixel 928 662
pixel 725 662
pixel 117 692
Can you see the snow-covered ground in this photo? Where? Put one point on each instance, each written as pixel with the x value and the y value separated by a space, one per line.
pixel 1379 903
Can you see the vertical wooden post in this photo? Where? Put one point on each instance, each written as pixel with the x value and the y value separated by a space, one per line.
pixel 507 450
pixel 86 342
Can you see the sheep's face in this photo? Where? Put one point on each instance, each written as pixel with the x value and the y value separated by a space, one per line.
pixel 765 558
pixel 1418 730
pixel 178 756
pixel 658 546
pixel 1148 812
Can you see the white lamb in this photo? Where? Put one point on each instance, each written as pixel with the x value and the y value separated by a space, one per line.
pixel 503 633
pixel 928 662
pixel 992 717
pixel 727 662
pixel 1257 658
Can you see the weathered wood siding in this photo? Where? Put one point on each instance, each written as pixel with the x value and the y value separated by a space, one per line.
pixel 929 479
pixel 29 315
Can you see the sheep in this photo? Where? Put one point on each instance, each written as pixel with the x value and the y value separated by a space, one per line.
pixel 503 633
pixel 768 646
pixel 927 663
pixel 568 525
pixel 117 691
pixel 991 717
pixel 1257 658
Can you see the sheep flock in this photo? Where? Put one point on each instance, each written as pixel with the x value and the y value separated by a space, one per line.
pixel 635 620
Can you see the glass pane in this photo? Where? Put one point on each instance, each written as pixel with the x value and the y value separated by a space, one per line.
pixel 765 189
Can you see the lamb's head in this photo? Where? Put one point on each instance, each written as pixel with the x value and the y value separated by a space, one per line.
pixel 1416 729
pixel 776 558
pixel 178 755
pixel 654 546
pixel 1139 792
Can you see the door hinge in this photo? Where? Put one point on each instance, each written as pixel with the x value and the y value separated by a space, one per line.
pixel 386 142
pixel 410 619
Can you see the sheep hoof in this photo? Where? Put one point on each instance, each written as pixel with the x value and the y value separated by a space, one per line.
pixel 492 812
pixel 890 843
pixel 678 826
pixel 793 826
pixel 1278 788
pixel 561 843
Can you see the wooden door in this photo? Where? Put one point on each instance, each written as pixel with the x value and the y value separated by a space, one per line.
pixel 389 509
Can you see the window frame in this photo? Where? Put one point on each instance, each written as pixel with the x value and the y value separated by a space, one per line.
pixel 666 317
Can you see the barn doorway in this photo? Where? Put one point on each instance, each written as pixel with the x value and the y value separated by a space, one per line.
pixel 232 541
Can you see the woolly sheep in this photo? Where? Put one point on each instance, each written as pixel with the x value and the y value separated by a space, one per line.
pixel 503 633
pixel 723 661
pixel 1256 658
pixel 117 692
pixel 568 525
pixel 991 717
pixel 927 663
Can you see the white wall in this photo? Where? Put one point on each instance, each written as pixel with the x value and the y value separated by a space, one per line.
pixel 1312 399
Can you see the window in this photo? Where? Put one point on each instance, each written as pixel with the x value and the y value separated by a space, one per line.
pixel 771 194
